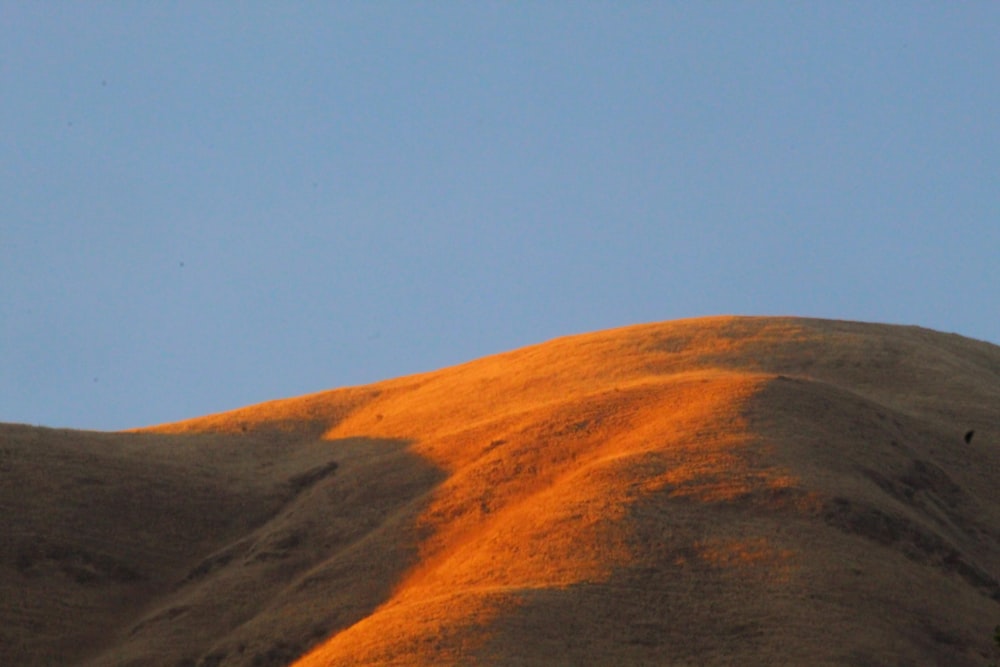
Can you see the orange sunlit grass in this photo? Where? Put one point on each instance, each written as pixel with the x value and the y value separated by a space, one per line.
pixel 680 493
pixel 540 487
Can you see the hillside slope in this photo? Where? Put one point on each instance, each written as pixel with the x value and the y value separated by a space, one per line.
pixel 712 491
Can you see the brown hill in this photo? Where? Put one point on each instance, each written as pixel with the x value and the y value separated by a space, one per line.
pixel 751 491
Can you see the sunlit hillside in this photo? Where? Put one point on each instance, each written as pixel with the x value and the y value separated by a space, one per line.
pixel 751 491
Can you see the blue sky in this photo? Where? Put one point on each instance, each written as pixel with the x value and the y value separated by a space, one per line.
pixel 207 205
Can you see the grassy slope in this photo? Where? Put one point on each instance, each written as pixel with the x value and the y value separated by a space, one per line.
pixel 727 490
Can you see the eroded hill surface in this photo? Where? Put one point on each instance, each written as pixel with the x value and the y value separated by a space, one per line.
pixel 714 491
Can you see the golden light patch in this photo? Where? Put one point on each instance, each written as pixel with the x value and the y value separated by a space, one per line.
pixel 539 490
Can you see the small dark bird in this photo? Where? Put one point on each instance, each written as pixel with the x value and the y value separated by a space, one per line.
pixel 968 436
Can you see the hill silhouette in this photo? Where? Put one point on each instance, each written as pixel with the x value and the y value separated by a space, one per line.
pixel 751 491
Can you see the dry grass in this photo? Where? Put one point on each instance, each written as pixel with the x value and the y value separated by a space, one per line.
pixel 717 491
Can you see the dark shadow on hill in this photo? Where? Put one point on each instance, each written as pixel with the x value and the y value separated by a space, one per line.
pixel 756 580
pixel 905 483
pixel 881 550
pixel 197 549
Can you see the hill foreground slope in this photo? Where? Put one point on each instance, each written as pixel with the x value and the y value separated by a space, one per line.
pixel 749 491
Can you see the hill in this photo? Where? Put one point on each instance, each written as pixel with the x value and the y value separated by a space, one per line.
pixel 749 491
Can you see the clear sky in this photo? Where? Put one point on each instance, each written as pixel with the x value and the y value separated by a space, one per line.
pixel 208 205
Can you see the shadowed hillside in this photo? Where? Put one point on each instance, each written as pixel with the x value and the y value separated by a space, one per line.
pixel 715 491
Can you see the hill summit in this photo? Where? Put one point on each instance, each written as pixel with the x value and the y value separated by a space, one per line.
pixel 730 490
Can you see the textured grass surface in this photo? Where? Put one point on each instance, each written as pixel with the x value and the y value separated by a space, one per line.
pixel 714 491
